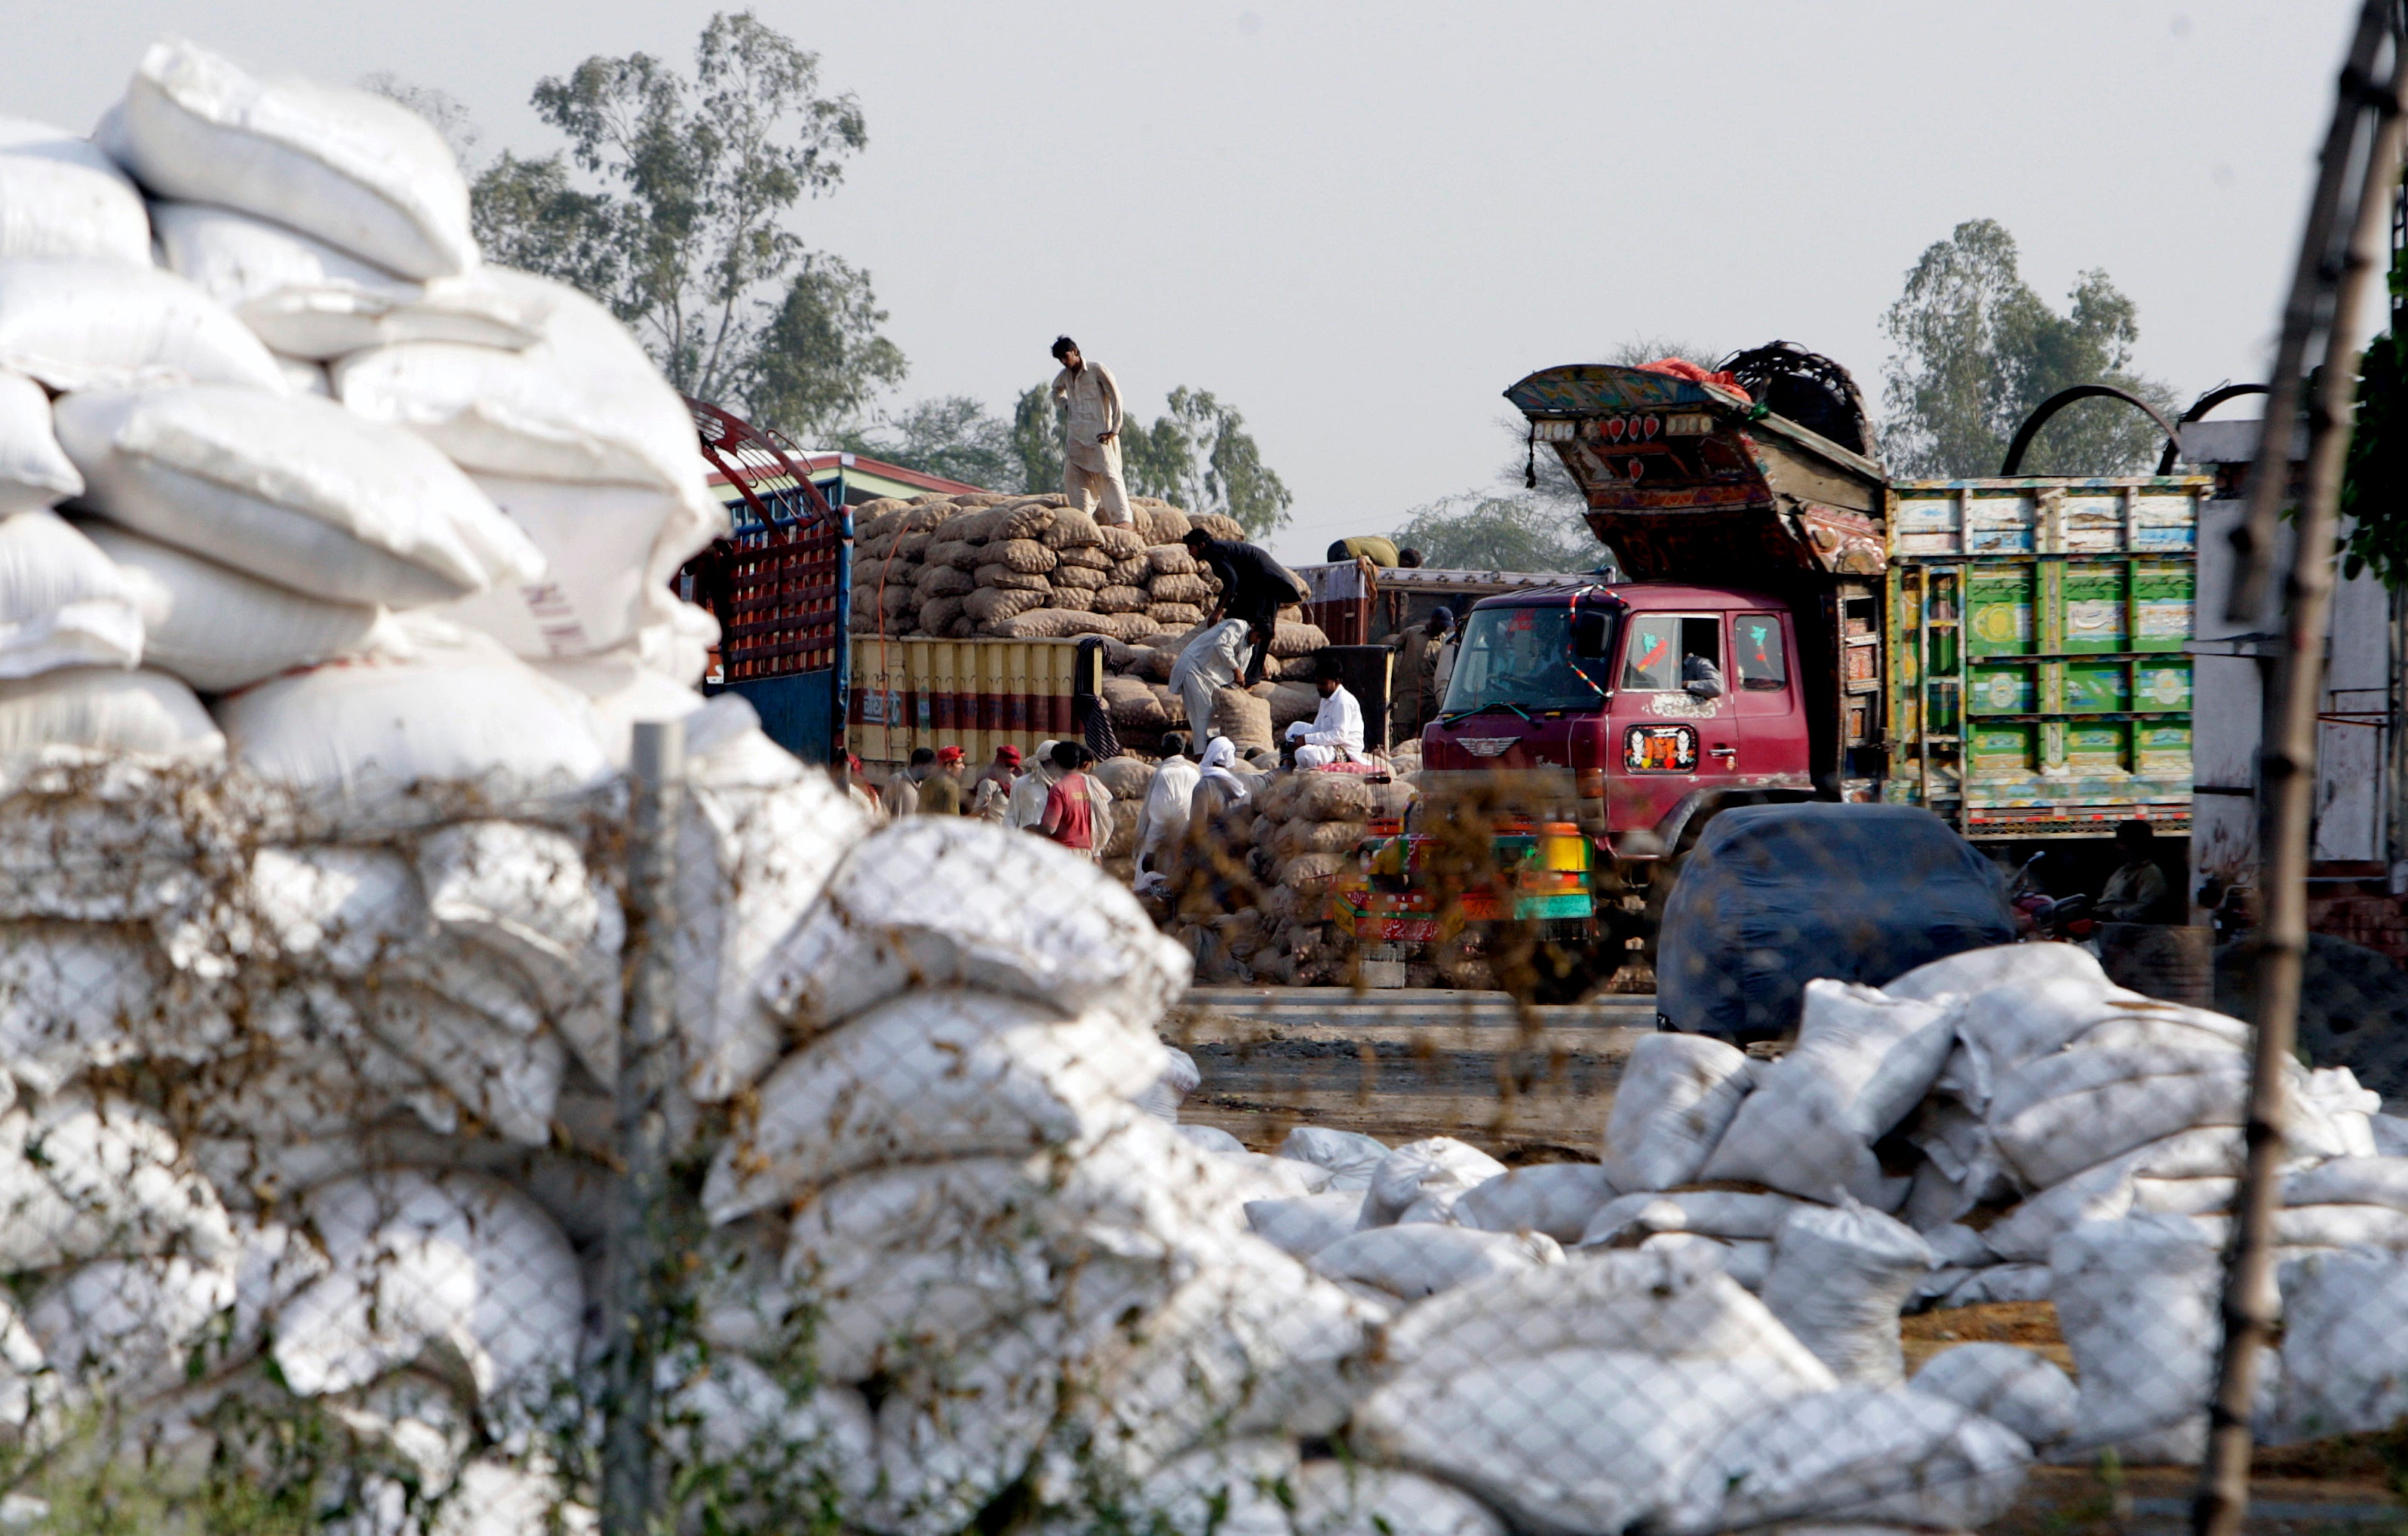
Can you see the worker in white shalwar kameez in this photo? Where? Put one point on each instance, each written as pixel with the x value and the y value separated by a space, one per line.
pixel 1162 819
pixel 1214 660
pixel 1091 440
pixel 1335 734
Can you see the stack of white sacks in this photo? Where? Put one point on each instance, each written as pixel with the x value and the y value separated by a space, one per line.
pixel 2092 1134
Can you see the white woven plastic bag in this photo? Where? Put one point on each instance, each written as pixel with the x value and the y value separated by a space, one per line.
pixel 82 323
pixel 62 603
pixel 61 196
pixel 1676 1097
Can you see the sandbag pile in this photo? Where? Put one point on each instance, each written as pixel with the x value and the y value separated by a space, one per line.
pixel 1302 835
pixel 1025 567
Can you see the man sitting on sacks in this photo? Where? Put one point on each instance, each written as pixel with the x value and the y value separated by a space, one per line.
pixel 1091 437
pixel 1334 734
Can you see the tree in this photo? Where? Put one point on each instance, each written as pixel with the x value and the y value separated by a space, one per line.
pixel 687 237
pixel 1477 531
pixel 1198 456
pixel 2375 484
pixel 1978 349
pixel 953 435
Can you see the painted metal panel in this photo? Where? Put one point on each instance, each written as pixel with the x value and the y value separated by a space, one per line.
pixel 975 694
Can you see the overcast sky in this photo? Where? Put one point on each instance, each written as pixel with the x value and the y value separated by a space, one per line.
pixel 1360 222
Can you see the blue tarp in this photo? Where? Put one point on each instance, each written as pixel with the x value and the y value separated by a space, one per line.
pixel 1774 896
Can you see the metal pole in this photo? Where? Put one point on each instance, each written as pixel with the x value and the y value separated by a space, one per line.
pixel 656 771
pixel 2287 757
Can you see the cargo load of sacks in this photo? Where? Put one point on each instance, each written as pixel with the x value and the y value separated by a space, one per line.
pixel 2002 1126
pixel 1027 568
pixel 1295 836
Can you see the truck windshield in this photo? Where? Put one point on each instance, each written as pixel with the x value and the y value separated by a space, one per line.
pixel 1523 656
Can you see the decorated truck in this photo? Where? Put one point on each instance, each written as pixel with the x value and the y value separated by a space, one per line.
pixel 2009 653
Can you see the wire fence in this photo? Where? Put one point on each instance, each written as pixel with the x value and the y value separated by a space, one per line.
pixel 703 1154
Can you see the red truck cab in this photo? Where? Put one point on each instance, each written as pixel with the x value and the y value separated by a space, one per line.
pixel 1632 707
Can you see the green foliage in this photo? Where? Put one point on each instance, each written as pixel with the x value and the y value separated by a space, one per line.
pixel 953 435
pixel 1977 349
pixel 2375 485
pixel 687 236
pixel 1474 531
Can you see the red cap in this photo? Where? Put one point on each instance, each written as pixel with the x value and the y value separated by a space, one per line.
pixel 949 755
pixel 1007 754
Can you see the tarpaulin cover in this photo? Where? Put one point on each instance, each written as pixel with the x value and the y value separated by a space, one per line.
pixel 1774 896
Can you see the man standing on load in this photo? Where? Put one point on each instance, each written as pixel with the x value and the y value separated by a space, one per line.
pixel 1091 442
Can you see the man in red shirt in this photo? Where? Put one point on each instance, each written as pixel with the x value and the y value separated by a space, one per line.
pixel 1069 810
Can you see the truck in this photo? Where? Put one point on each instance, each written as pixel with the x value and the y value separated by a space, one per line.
pixel 2007 653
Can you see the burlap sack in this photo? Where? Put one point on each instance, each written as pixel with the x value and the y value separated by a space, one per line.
pixel 1309 872
pixel 1020 554
pixel 1131 627
pixel 913 546
pixel 1119 600
pixel 1089 556
pixel 1074 599
pixel 943 581
pixel 899 597
pixel 989 603
pixel 951 551
pixel 1291 702
pixel 1085 578
pixel 1153 663
pixel 975 527
pixel 1119 542
pixel 1244 719
pixel 1135 706
pixel 1071 529
pixel 1296 640
pixel 1317 797
pixel 1011 581
pixel 1174 615
pixel 1026 519
pixel 1217 525
pixel 1158 522
pixel 1170 560
pixel 1123 839
pixel 1135 571
pixel 1044 624
pixel 937 615
pixel 1295 839
pixel 1194 591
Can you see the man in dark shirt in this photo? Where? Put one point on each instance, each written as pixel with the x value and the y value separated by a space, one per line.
pixel 1253 586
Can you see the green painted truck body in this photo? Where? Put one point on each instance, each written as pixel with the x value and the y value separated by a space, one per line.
pixel 2039 681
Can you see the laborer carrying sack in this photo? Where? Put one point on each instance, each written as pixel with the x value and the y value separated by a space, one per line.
pixel 1253 586
pixel 1214 660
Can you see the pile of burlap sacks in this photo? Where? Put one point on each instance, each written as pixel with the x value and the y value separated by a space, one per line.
pixel 1295 836
pixel 1027 568
pixel 2002 1126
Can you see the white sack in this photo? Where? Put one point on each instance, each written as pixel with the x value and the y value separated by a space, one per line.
pixel 1305 1224
pixel 307 299
pixel 2350 1181
pixel 75 995
pixel 753 862
pixel 1862 1060
pixel 1351 1156
pixel 62 602
pixel 2104 1193
pixel 1555 1198
pixel 1997 1283
pixel 934 1074
pixel 1180 1078
pixel 82 1178
pixel 1422 1259
pixel 1838 1279
pixel 1238 1488
pixel 585 404
pixel 1437 1170
pixel 103 324
pixel 219 629
pixel 347 166
pixel 1729 1214
pixel 624 692
pixel 125 1329
pixel 2185 1197
pixel 33 470
pixel 2021 1390
pixel 1674 1305
pixel 769 1446
pixel 1202 1137
pixel 1746 1260
pixel 1885 1456
pixel 2390 1134
pixel 1973 971
pixel 1676 1097
pixel 953 1431
pixel 61 196
pixel 459 1262
pixel 303 377
pixel 1577 1442
pixel 937 901
pixel 293 490
pixel 1348 1497
pixel 106 710
pixel 375 727
pixel 603 558
pixel 2344 1345
pixel 2139 1302
pixel 2059 1114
